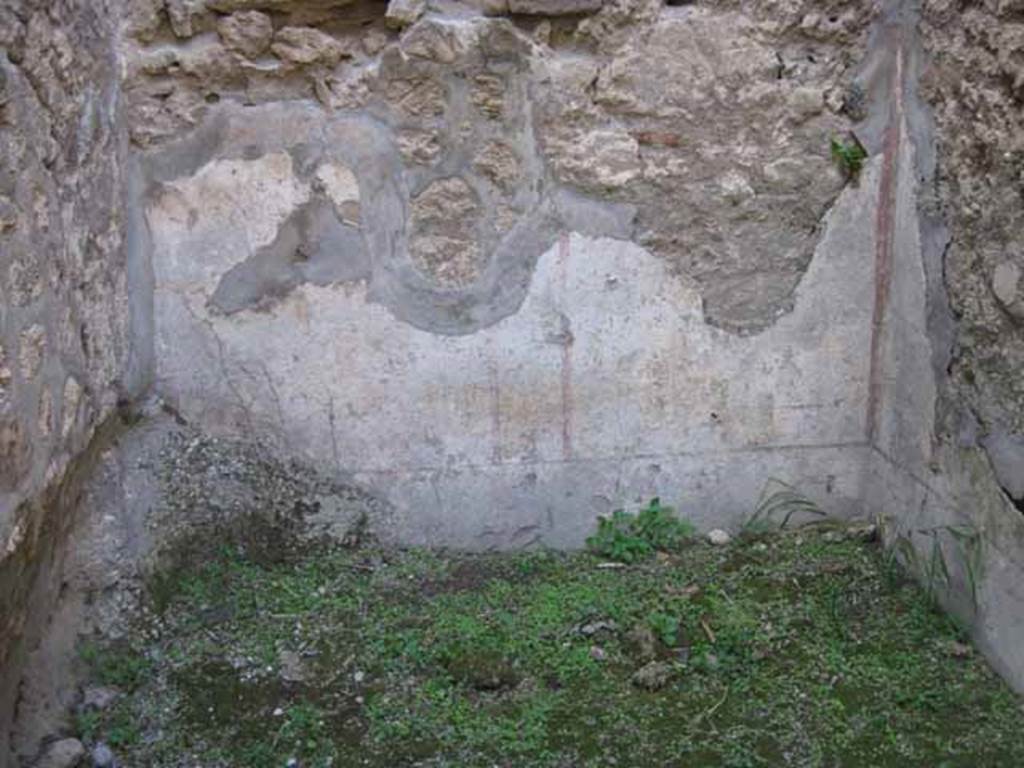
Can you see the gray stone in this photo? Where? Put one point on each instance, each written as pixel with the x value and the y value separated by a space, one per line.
pixel 182 13
pixel 103 757
pixel 302 46
pixel 66 753
pixel 247 33
pixel 291 665
pixel 99 697
pixel 653 676
pixel 403 13
pixel 279 6
pixel 554 7
pixel 1006 283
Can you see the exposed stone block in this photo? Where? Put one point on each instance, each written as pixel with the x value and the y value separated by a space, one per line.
pixel 402 13
pixel 247 33
pixel 303 46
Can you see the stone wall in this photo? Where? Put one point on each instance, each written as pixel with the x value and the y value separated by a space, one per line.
pixel 977 86
pixel 511 267
pixel 63 318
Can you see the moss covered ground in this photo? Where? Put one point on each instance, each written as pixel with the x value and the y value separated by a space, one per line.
pixel 793 649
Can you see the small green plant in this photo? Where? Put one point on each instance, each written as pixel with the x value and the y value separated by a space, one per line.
pixel 629 538
pixel 615 539
pixel 119 667
pixel 849 155
pixel 932 569
pixel 778 503
pixel 87 725
pixel 665 627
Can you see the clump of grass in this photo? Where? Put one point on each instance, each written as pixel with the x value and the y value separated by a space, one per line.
pixel 776 507
pixel 665 627
pixel 117 665
pixel 629 538
pixel 928 562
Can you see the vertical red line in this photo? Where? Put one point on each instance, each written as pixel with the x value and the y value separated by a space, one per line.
pixel 496 453
pixel 567 340
pixel 884 245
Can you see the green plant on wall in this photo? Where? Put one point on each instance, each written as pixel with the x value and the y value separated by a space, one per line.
pixel 848 155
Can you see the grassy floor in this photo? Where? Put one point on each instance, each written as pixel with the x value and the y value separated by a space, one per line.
pixel 801 649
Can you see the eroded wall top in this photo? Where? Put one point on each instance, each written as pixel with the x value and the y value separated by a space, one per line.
pixel 697 130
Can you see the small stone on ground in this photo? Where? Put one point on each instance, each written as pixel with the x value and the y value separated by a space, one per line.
pixel 718 537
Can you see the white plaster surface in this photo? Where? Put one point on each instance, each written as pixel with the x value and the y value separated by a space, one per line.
pixel 605 387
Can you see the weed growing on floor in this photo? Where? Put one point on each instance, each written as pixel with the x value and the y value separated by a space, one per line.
pixel 776 507
pixel 933 569
pixel 630 538
pixel 116 665
pixel 665 627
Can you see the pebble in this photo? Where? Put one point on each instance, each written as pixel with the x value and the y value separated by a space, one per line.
pixel 718 537
pixel 99 697
pixel 597 653
pixel 653 676
pixel 591 629
pixel 102 757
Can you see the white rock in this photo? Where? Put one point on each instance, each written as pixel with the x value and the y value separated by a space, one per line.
pixel 718 537
pixel 1005 282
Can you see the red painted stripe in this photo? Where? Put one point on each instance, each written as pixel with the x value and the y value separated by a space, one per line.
pixel 567 394
pixel 885 226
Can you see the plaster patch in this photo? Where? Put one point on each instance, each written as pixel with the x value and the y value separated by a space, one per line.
pixel 342 187
pixel 222 214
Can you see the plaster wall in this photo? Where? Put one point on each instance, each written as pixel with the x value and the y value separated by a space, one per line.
pixel 613 324
pixel 605 387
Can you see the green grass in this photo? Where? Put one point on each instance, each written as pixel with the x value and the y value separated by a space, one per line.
pixel 795 649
